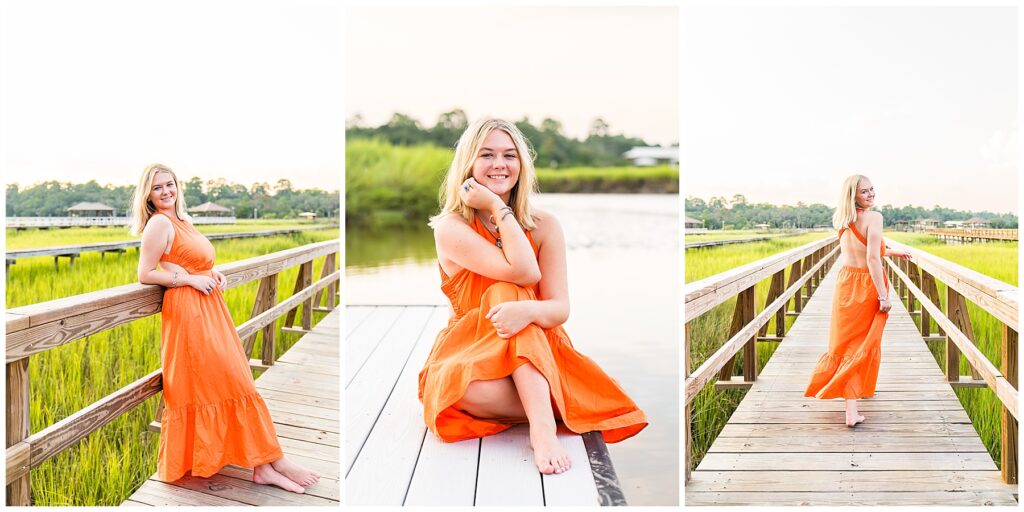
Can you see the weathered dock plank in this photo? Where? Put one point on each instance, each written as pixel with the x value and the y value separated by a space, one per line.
pixel 304 403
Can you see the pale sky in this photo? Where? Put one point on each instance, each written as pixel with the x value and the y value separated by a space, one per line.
pixel 781 103
pixel 572 64
pixel 237 90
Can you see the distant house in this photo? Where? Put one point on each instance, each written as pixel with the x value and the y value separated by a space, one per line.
pixel 925 224
pixel 209 209
pixel 652 155
pixel 90 210
pixel 955 224
pixel 977 222
pixel 692 223
pixel 310 216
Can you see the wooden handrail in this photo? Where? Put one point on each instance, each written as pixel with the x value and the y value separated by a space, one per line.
pixel 714 364
pixel 993 295
pixel 988 233
pixel 38 327
pixel 705 294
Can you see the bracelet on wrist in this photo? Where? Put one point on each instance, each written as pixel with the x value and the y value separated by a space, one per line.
pixel 174 281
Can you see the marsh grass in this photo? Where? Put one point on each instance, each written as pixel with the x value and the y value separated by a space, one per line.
pixel 394 186
pixel 108 465
pixel 711 410
pixel 728 234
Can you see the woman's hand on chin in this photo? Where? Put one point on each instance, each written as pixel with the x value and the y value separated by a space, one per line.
pixel 479 197
pixel 509 318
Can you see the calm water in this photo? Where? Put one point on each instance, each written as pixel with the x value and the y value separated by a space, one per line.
pixel 624 294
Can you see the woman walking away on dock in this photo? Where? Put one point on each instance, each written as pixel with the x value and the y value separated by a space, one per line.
pixel 504 357
pixel 861 303
pixel 213 415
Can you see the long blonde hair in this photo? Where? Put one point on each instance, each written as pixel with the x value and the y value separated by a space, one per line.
pixel 846 210
pixel 142 208
pixel 461 169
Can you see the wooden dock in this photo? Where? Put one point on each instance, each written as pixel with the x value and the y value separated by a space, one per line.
pixel 302 391
pixel 967 235
pixel 917 446
pixel 391 457
pixel 74 251
pixel 716 243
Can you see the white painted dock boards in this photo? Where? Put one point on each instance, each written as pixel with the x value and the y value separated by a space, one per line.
pixel 917 446
pixel 391 457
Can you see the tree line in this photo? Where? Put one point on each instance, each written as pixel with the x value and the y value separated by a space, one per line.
pixel 601 148
pixel 280 201
pixel 737 213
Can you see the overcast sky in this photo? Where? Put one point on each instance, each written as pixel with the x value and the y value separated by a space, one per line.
pixel 243 91
pixel 572 64
pixel 781 103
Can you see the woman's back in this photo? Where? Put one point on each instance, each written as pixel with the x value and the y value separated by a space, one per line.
pixel 853 247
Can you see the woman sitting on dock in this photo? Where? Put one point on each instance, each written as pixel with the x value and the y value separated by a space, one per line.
pixel 861 303
pixel 504 357
pixel 213 414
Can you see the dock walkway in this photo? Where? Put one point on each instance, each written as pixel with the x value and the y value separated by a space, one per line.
pixel 391 457
pixel 917 446
pixel 302 392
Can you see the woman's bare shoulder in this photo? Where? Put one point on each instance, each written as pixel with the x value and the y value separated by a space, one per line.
pixel 448 225
pixel 547 224
pixel 158 223
pixel 873 216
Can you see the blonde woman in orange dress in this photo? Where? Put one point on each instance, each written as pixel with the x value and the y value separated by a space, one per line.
pixel 504 357
pixel 213 415
pixel 860 306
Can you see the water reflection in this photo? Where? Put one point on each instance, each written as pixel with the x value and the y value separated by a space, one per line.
pixel 623 267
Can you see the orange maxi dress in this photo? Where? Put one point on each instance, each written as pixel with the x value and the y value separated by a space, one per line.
pixel 213 415
pixel 469 349
pixel 850 367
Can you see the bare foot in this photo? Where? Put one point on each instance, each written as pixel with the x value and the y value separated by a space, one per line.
pixel 548 454
pixel 853 420
pixel 295 472
pixel 265 474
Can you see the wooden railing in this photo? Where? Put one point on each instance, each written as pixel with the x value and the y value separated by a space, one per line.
pixel 915 282
pixel 39 327
pixel 974 233
pixel 808 265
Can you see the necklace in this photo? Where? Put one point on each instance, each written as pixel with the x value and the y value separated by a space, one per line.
pixel 497 236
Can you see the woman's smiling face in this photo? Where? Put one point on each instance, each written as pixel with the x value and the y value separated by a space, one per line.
pixel 865 194
pixel 497 164
pixel 164 192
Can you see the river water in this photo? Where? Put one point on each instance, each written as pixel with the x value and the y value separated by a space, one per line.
pixel 624 290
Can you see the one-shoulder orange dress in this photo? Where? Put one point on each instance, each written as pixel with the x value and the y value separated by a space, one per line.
pixel 850 367
pixel 213 415
pixel 469 349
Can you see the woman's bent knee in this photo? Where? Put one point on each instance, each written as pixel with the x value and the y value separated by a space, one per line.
pixel 503 291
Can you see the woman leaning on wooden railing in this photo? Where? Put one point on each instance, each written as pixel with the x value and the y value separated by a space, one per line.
pixel 915 282
pixel 808 265
pixel 39 327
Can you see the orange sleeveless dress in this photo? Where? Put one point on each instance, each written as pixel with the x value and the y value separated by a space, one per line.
pixel 469 349
pixel 213 414
pixel 850 367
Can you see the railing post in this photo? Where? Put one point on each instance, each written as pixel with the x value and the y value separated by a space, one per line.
pixel 794 276
pixel 687 407
pixel 774 291
pixel 266 298
pixel 269 330
pixel 955 311
pixel 19 492
pixel 307 306
pixel 931 290
pixel 1010 439
pixel 747 298
pixel 330 291
pixel 742 314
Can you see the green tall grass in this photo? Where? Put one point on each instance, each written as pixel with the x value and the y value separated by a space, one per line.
pixel 711 409
pixel 106 467
pixel 32 238
pixel 387 185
